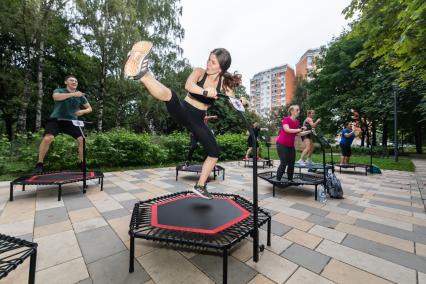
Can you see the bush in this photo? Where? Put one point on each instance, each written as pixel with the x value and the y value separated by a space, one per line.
pixel 116 148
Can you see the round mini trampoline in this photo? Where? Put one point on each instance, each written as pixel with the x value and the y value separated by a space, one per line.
pixel 188 221
pixel 197 169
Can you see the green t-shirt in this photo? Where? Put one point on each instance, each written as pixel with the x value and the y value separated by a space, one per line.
pixel 66 109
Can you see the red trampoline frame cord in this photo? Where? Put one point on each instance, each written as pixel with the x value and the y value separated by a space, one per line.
pixel 154 217
pixel 34 177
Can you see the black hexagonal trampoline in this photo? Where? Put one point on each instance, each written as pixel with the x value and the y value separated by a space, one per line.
pixel 191 222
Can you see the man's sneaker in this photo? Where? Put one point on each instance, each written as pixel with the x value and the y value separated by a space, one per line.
pixel 201 190
pixel 39 168
pixel 301 163
pixel 186 164
pixel 81 167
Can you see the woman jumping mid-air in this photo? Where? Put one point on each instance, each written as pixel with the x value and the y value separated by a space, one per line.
pixel 202 86
pixel 308 139
pixel 285 142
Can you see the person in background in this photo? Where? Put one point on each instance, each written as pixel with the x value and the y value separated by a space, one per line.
pixel 309 123
pixel 285 142
pixel 256 130
pixel 348 136
pixel 69 105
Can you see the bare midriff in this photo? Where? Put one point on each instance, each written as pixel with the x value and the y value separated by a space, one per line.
pixel 196 103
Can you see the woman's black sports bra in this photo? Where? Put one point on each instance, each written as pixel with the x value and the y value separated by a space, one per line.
pixel 204 99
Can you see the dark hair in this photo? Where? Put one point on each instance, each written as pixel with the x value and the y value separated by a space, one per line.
pixel 223 56
pixel 347 124
pixel 70 76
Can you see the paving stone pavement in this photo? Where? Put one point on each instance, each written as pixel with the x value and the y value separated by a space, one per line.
pixel 376 234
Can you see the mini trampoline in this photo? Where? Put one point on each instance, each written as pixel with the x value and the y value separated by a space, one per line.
pixel 313 167
pixel 197 169
pixel 353 166
pixel 13 252
pixel 263 162
pixel 191 222
pixel 57 178
pixel 298 179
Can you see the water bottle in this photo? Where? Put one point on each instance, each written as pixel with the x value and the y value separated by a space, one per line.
pixel 322 194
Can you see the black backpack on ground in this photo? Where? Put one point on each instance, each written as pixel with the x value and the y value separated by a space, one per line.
pixel 334 186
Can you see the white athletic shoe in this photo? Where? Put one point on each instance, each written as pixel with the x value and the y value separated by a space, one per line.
pixel 301 163
pixel 309 161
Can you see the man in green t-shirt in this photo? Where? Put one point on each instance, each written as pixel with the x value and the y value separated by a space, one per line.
pixel 69 105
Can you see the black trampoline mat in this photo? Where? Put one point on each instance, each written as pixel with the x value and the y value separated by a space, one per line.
pixel 195 214
pixel 313 166
pixel 196 168
pixel 352 165
pixel 59 177
pixel 259 160
pixel 298 179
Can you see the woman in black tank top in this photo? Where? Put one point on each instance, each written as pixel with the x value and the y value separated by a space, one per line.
pixel 308 139
pixel 202 87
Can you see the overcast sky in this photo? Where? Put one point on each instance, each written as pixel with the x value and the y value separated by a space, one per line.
pixel 259 34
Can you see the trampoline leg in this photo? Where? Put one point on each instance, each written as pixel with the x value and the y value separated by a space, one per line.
pixel 132 254
pixel 102 184
pixel 273 190
pixel 316 192
pixel 23 187
pixel 177 175
pixel 225 266
pixel 11 192
pixel 33 260
pixel 59 192
pixel 214 174
pixel 268 240
pixel 223 176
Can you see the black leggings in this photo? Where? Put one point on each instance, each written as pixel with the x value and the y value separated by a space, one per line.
pixel 192 147
pixel 287 159
pixel 193 119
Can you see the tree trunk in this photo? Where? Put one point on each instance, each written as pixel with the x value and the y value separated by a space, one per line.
pixel 40 93
pixel 101 101
pixel 373 134
pixel 8 119
pixel 418 138
pixel 21 125
pixel 385 133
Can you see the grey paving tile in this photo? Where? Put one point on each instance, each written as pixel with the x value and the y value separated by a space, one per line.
pixel 397 206
pixel 138 190
pixel 74 202
pixel 392 231
pixel 211 265
pixel 305 257
pixel 115 213
pixel 386 252
pixel 115 269
pixel 325 222
pixel 420 229
pixel 27 237
pixel 114 190
pixel 86 281
pixel 50 216
pixel 277 228
pixel 99 243
pixel 129 204
pixel 351 207
pixel 309 209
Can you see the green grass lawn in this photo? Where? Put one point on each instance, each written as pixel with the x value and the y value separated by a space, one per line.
pixel 404 163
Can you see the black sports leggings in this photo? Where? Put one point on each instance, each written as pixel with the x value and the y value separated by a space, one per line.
pixel 193 119
pixel 287 159
pixel 192 147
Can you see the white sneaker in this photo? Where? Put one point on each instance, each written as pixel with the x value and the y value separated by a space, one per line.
pixel 309 161
pixel 301 163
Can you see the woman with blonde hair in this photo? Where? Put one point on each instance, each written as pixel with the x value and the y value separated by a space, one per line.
pixel 285 142
pixel 308 139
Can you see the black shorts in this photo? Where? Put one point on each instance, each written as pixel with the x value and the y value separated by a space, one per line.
pixel 250 142
pixel 346 150
pixel 308 136
pixel 54 127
